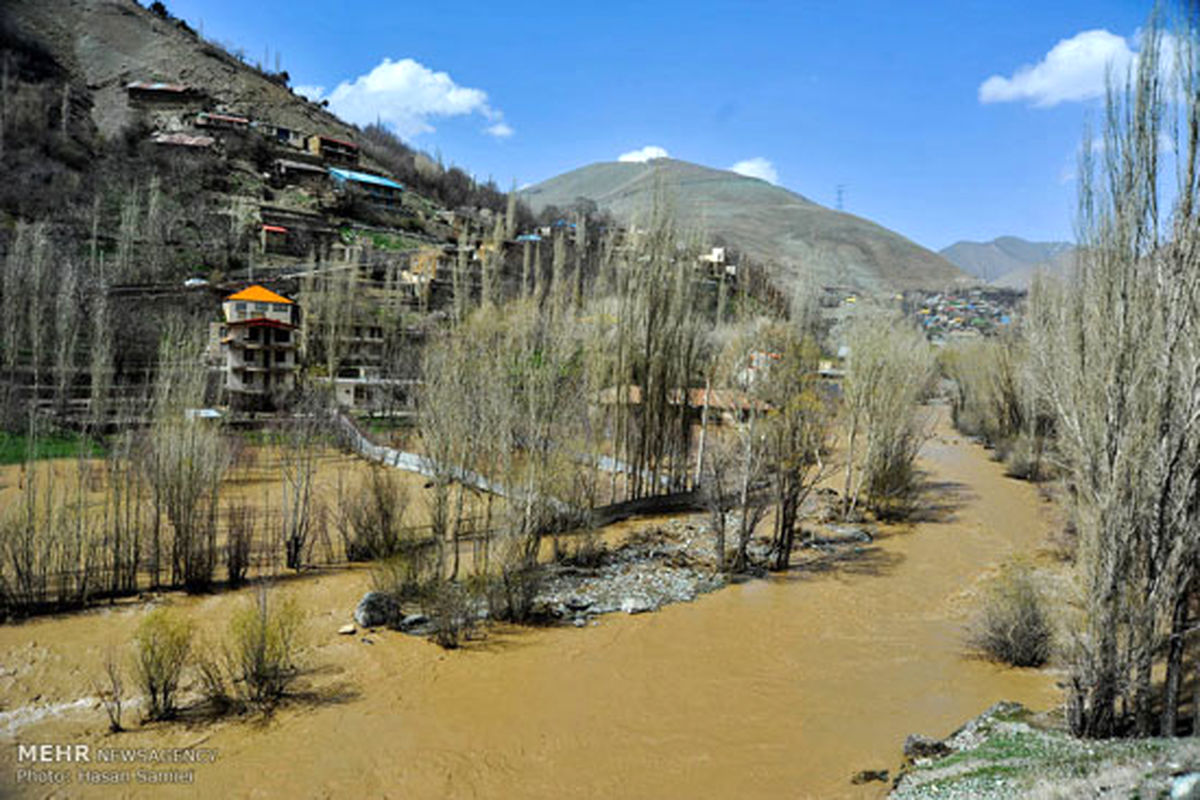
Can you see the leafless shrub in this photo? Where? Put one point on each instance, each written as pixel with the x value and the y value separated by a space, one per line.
pixel 112 690
pixel 375 517
pixel 212 673
pixel 586 550
pixel 452 610
pixel 240 525
pixel 1013 625
pixel 406 575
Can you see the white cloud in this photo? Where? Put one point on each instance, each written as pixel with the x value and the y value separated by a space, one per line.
pixel 758 167
pixel 647 153
pixel 1074 69
pixel 501 130
pixel 407 95
pixel 314 93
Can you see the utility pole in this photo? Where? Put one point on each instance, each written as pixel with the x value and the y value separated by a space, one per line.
pixel 841 196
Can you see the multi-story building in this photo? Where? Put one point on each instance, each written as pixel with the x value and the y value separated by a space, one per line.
pixel 258 347
pixel 335 151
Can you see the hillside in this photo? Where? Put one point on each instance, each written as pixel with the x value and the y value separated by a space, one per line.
pixel 149 172
pixel 766 222
pixel 1009 261
pixel 105 44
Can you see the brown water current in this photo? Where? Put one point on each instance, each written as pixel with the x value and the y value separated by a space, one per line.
pixel 772 688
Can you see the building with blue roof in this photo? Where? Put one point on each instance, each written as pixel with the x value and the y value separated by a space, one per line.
pixel 380 190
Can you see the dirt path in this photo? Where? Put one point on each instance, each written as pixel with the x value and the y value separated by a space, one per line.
pixel 779 688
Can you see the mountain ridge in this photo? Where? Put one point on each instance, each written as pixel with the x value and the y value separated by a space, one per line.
pixel 1010 261
pixel 800 239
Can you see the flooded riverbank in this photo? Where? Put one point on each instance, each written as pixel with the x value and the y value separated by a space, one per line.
pixel 779 687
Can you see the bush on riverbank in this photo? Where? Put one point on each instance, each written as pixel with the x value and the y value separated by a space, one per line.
pixel 1013 625
pixel 264 643
pixel 162 645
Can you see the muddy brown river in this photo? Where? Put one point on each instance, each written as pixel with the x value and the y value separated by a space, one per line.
pixel 776 688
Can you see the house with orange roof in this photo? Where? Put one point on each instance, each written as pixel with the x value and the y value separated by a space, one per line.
pixel 258 344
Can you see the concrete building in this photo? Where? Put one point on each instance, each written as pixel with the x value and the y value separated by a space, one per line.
pixel 289 172
pixel 258 345
pixel 223 122
pixel 280 135
pixel 335 151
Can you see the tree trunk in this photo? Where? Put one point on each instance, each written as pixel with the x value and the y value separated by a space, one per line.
pixel 1179 623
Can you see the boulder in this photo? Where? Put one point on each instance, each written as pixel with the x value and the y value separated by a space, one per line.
pixel 918 746
pixel 636 605
pixel 413 621
pixel 1186 787
pixel 347 630
pixel 376 609
pixel 576 603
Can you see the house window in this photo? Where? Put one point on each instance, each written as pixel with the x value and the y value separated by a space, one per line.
pixel 280 356
pixel 252 335
pixel 260 308
pixel 240 308
pixel 283 336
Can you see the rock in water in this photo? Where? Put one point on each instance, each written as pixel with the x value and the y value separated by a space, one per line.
pixel 870 775
pixel 376 609
pixel 413 621
pixel 636 605
pixel 918 746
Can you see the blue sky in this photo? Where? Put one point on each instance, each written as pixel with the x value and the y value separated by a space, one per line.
pixel 943 120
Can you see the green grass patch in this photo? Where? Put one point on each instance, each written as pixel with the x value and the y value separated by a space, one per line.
pixel 16 448
pixel 387 241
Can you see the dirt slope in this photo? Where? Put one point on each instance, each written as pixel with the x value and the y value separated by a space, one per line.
pixel 105 44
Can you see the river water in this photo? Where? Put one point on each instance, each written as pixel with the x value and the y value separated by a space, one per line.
pixel 774 688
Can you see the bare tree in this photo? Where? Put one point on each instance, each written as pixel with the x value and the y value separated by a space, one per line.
pixel 888 373
pixel 297 442
pixel 1118 358
pixel 798 430
pixel 187 458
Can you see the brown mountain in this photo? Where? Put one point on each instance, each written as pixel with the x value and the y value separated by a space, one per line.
pixel 797 237
pixel 1010 261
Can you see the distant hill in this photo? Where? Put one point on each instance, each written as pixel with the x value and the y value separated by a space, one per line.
pixel 1010 261
pixel 767 222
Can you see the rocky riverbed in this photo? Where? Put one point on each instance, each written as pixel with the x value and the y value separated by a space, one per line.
pixel 672 562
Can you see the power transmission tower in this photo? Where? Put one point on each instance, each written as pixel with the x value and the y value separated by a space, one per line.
pixel 841 196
